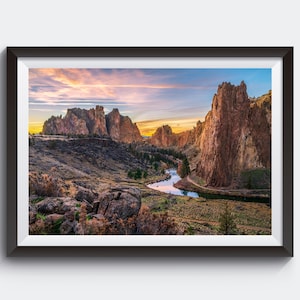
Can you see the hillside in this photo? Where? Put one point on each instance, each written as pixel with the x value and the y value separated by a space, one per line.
pixel 90 186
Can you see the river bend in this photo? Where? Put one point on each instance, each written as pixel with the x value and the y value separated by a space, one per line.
pixel 166 186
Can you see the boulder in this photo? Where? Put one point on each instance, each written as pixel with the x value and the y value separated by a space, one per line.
pixel 56 205
pixel 118 203
pixel 86 195
pixel 69 224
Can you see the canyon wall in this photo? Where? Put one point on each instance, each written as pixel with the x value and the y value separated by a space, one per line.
pixel 235 136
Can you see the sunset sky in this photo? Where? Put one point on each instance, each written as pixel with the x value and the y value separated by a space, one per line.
pixel 150 97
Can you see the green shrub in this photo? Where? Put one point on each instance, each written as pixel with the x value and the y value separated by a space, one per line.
pixel 256 179
pixel 40 216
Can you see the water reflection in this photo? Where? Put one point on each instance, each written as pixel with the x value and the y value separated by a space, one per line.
pixel 166 186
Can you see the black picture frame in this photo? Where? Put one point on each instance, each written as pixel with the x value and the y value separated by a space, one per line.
pixel 284 250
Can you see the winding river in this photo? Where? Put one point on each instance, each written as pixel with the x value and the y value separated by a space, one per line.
pixel 166 186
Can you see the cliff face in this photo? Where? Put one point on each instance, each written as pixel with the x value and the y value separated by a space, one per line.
pixel 70 124
pixel 121 128
pixel 164 137
pixel 235 136
pixel 78 121
pixel 93 121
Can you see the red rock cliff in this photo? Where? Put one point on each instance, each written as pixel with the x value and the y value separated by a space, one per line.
pixel 236 136
pixel 93 122
pixel 164 137
pixel 120 128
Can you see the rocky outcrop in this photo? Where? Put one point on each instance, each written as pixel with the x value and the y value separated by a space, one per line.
pixel 190 137
pixel 120 128
pixel 117 202
pixel 236 136
pixel 164 137
pixel 79 121
pixel 62 215
pixel 121 203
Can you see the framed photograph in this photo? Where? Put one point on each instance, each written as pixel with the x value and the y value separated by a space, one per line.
pixel 150 151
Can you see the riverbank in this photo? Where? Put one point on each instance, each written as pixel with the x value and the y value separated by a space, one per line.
pixel 163 177
pixel 168 186
pixel 209 192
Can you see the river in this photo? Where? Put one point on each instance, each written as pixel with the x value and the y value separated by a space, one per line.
pixel 166 186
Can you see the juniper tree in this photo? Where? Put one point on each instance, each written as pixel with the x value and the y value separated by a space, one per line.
pixel 185 168
pixel 227 222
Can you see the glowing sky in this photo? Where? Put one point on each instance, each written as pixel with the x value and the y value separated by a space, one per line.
pixel 150 97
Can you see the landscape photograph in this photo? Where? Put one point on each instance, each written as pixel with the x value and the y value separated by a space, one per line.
pixel 169 151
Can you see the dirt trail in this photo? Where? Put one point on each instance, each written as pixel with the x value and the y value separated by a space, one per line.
pixel 225 192
pixel 189 179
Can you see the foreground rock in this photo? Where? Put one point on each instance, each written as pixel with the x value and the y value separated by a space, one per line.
pixel 114 211
pixel 118 202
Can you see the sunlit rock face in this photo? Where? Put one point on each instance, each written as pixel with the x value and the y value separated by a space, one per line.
pixel 236 136
pixel 120 128
pixel 79 121
pixel 164 137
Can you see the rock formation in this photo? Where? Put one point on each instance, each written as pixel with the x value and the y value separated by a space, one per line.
pixel 164 137
pixel 118 202
pixel 235 136
pixel 79 121
pixel 121 128
pixel 57 215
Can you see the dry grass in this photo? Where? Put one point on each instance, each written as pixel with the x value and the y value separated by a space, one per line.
pixel 201 216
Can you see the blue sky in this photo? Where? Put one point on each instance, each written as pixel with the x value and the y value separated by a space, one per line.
pixel 150 97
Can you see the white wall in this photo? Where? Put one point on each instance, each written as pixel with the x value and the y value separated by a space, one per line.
pixel 151 23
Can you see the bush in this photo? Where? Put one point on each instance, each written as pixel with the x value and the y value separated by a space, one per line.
pixel 143 223
pixel 45 185
pixel 256 179
pixel 137 174
pixel 52 144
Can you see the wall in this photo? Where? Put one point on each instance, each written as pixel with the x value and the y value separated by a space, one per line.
pixel 152 23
